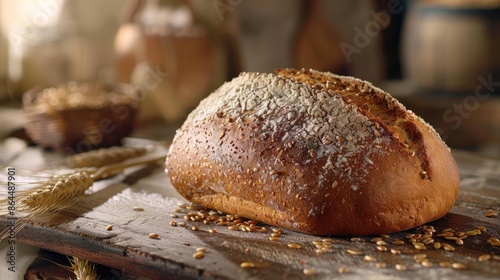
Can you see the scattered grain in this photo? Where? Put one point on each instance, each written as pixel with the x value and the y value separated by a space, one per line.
pixel 354 252
pixel 398 242
pixel 448 247
pixel 458 266
pixel 382 248
pixel 248 265
pixel 426 263
pixel 428 241
pixel 199 255
pixel 109 227
pixel 395 252
pixel 294 245
pixel 492 240
pixel 491 213
pixel 419 256
pixel 445 264
pixel 369 258
pixel 153 235
pixel 277 230
pixel 319 251
pixel 484 257
pixel 380 265
pixel 471 233
pixel 420 246
pixel 308 271
pixel 138 208
pixel 343 270
pixel 401 267
pixel 233 227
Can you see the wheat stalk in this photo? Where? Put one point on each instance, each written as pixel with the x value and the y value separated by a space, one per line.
pixel 63 190
pixel 55 193
pixel 83 269
pixel 104 156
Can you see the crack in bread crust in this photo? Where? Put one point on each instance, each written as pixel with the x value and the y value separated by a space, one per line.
pixel 266 146
pixel 372 102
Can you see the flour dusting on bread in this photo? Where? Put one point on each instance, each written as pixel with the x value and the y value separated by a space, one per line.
pixel 313 152
pixel 295 114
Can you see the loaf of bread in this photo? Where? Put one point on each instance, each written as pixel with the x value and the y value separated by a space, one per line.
pixel 313 152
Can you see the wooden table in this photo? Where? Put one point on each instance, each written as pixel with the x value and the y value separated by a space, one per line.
pixel 81 231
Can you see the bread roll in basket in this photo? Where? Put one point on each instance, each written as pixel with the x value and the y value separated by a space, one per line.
pixel 313 152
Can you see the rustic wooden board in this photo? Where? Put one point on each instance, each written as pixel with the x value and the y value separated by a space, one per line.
pixel 81 231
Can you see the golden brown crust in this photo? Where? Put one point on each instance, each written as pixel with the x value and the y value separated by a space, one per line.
pixel 298 153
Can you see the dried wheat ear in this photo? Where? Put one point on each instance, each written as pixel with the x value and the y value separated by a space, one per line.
pixel 103 157
pixel 62 190
pixel 83 269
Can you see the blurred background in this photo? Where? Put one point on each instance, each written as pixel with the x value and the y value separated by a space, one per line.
pixel 440 58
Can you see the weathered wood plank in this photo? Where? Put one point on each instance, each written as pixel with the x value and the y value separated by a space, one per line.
pixel 81 231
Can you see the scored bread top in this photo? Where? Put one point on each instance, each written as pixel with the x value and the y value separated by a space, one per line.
pixel 374 103
pixel 309 151
pixel 280 102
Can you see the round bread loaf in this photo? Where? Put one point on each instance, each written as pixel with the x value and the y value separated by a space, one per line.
pixel 313 152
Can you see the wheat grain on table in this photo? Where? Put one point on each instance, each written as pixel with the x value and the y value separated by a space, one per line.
pixel 142 202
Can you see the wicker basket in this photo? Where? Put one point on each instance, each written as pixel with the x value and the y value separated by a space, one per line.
pixel 80 129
